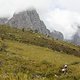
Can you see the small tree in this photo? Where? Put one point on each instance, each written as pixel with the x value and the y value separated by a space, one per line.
pixel 23 29
pixel 36 31
pixel 3 47
pixel 2 37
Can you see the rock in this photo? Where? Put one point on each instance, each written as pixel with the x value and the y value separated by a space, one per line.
pixel 57 35
pixel 3 20
pixel 65 66
pixel 29 20
pixel 20 20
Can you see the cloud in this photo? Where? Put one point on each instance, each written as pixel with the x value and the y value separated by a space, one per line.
pixel 62 15
pixel 64 21
pixel 8 7
pixel 72 5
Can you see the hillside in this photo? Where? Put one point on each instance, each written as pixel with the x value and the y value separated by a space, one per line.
pixel 33 37
pixel 28 55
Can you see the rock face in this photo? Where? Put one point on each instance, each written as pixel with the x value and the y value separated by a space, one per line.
pixel 57 35
pixel 3 20
pixel 76 37
pixel 30 20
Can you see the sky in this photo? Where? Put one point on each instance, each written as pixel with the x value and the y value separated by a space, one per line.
pixel 61 15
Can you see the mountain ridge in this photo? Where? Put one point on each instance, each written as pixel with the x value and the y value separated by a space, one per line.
pixel 30 19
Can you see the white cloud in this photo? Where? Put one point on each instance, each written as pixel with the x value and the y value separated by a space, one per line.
pixel 72 5
pixel 8 7
pixel 64 21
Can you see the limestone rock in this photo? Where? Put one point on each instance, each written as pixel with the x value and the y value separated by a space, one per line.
pixel 29 20
pixel 57 35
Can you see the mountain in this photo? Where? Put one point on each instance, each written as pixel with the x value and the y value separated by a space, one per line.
pixel 3 20
pixel 57 35
pixel 76 37
pixel 30 19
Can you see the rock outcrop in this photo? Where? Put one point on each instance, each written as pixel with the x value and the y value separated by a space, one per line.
pixel 29 20
pixel 57 35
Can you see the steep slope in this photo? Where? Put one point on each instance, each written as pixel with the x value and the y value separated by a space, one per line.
pixel 29 20
pixel 25 55
pixel 38 39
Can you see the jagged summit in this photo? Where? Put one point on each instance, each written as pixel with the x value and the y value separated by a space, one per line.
pixel 29 20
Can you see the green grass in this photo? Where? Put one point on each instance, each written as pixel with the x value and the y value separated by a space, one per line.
pixel 38 39
pixel 40 53
pixel 33 56
pixel 23 60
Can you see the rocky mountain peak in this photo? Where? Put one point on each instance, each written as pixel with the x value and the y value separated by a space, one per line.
pixel 30 19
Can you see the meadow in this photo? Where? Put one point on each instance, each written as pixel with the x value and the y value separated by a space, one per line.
pixel 25 55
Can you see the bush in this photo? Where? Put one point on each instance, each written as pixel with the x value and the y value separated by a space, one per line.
pixel 3 47
pixel 23 29
pixel 36 31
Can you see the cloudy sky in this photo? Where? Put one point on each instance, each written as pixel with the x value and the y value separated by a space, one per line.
pixel 61 15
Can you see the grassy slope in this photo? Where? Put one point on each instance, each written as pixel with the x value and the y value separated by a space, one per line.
pixel 39 40
pixel 23 61
pixel 21 58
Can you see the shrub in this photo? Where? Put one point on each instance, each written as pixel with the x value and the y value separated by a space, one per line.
pixel 2 37
pixel 36 31
pixel 3 47
pixel 23 29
